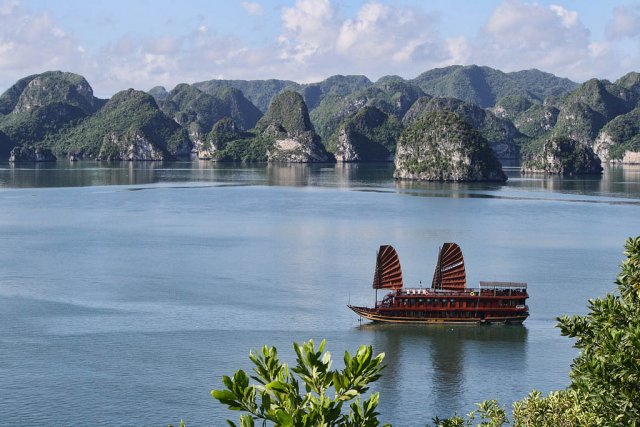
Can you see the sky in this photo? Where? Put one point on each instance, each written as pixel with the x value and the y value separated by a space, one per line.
pixel 118 44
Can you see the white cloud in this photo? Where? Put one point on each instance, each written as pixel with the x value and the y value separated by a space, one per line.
pixel 308 30
pixel 380 39
pixel 529 35
pixel 251 8
pixel 315 40
pixel 33 43
pixel 625 22
pixel 569 18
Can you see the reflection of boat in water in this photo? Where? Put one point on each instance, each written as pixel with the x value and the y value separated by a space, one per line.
pixel 448 300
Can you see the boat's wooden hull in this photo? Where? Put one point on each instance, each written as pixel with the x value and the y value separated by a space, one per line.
pixel 375 316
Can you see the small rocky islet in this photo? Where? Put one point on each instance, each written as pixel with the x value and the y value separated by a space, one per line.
pixel 448 124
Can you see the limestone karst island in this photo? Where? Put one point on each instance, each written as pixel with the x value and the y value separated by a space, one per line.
pixel 449 124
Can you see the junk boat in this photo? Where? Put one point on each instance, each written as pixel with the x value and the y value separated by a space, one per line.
pixel 449 300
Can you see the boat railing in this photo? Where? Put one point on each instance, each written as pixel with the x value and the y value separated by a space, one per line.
pixel 493 291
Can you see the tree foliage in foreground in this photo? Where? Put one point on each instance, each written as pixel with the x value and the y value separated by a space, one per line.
pixel 605 377
pixel 309 394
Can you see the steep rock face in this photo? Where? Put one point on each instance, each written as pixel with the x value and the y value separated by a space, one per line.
pixel 588 108
pixel 389 95
pixel 619 138
pixel 338 85
pixel 40 124
pixel 630 81
pixel 440 146
pixel 31 154
pixel 130 145
pixel 6 145
pixel 631 158
pixel 127 113
pixel 222 132
pixel 36 108
pixel 368 136
pixel 288 126
pixel 564 156
pixel 159 93
pixel 260 92
pixel 484 85
pixel 9 98
pixel 57 87
pixel 537 120
pixel 198 111
pixel 510 107
pixel 500 133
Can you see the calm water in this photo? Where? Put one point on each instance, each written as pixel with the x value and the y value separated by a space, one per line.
pixel 128 290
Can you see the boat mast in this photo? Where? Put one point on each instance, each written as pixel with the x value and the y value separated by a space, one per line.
pixel 439 268
pixel 375 303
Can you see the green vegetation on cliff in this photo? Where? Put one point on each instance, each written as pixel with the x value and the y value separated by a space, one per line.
pixel 227 143
pixel 56 87
pixel 40 125
pixel 391 96
pixel 630 81
pixel 620 135
pixel 159 93
pixel 502 135
pixel 283 134
pixel 38 107
pixel 289 112
pixel 189 105
pixel 441 146
pixel 262 92
pixel 510 107
pixel 126 111
pixel 9 98
pixel 563 156
pixel 338 85
pixel 259 92
pixel 368 135
pixel 485 85
pixel 5 145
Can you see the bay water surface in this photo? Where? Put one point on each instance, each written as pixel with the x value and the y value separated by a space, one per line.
pixel 128 290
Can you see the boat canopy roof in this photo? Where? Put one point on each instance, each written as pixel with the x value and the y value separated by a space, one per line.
pixel 388 274
pixel 514 285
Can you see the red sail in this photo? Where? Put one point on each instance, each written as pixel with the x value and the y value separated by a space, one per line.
pixel 388 272
pixel 450 273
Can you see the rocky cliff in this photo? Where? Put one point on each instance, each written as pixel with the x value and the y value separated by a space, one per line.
pixel 197 111
pixel 130 126
pixel 286 125
pixel 39 106
pixel 440 146
pixel 483 86
pixel 31 154
pixel 500 132
pixel 57 87
pixel 564 156
pixel 370 135
pixel 619 140
pixel 132 144
pixel 389 95
pixel 223 132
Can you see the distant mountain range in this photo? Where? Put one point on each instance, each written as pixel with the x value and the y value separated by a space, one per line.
pixel 350 118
